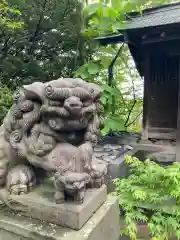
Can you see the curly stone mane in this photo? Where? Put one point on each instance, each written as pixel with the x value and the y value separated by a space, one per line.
pixel 53 126
pixel 60 106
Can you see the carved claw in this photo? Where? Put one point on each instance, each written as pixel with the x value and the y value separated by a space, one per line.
pixel 20 180
pixel 59 197
pixel 71 183
pixel 97 174
pixel 98 182
pixel 79 197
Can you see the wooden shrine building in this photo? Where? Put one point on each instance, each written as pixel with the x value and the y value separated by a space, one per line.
pixel 153 38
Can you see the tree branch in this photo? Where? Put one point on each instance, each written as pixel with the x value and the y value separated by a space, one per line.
pixel 124 102
pixel 134 119
pixel 111 75
pixel 5 49
pixel 33 38
pixel 66 9
pixel 111 66
pixel 129 114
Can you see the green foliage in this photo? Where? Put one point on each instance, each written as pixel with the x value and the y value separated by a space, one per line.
pixel 109 100
pixel 122 106
pixel 151 194
pixel 9 17
pixel 113 120
pixel 10 22
pixel 5 101
pixel 108 16
pixel 49 45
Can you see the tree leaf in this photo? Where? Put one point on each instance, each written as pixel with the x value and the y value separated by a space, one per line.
pixel 115 123
pixel 92 8
pixel 105 131
pixel 93 68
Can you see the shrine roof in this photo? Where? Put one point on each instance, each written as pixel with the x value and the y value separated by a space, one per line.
pixel 163 15
pixel 152 17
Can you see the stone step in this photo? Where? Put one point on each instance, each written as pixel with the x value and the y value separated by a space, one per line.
pixel 103 225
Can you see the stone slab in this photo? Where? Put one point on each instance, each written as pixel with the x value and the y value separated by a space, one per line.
pixel 116 169
pixel 40 204
pixel 113 156
pixel 103 225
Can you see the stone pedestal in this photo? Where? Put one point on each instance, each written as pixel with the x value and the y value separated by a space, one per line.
pixel 39 204
pixel 103 225
pixel 113 156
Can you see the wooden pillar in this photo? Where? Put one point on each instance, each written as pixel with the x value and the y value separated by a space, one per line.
pixel 146 98
pixel 178 120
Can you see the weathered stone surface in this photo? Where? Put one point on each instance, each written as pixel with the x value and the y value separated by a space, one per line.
pixel 53 126
pixel 162 157
pixel 103 225
pixel 39 204
pixel 113 156
pixel 116 169
pixel 4 235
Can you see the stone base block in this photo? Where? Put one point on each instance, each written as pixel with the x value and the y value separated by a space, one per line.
pixel 103 225
pixel 39 204
pixel 116 169
pixel 113 156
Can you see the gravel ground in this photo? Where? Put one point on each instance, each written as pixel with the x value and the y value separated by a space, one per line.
pixel 114 145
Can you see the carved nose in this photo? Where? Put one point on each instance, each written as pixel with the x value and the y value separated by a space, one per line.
pixel 75 105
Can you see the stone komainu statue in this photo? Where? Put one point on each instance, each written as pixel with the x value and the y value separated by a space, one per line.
pixel 52 126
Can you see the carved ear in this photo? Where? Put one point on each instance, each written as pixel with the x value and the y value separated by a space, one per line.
pixel 96 87
pixel 97 90
pixel 34 91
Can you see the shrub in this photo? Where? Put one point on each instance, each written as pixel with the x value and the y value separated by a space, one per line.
pixel 5 101
pixel 151 194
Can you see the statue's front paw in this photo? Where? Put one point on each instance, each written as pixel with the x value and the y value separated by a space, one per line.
pixel 20 180
pixel 98 173
pixel 76 190
pixel 73 185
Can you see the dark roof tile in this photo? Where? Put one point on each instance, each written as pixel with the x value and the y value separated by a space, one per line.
pixel 167 14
